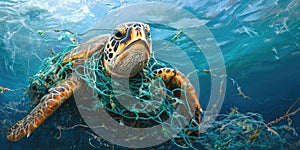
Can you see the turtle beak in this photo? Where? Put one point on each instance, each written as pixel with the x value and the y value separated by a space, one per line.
pixel 132 60
pixel 139 46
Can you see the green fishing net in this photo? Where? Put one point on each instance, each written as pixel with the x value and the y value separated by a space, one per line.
pixel 234 130
pixel 51 71
pixel 247 131
pixel 141 87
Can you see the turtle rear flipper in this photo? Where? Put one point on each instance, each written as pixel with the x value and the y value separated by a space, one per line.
pixel 47 106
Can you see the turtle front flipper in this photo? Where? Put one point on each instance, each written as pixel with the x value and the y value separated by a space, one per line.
pixel 47 106
pixel 174 79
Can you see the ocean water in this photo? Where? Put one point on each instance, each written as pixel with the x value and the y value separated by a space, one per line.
pixel 258 40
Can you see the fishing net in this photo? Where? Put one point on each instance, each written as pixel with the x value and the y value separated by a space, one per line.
pixel 247 131
pixel 234 130
pixel 229 131
pixel 141 88
pixel 51 71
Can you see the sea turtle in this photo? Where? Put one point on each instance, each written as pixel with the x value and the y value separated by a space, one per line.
pixel 125 53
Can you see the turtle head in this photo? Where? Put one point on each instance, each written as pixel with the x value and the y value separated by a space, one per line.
pixel 128 49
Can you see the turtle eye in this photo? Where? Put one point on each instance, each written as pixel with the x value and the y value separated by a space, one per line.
pixel 118 34
pixel 148 34
pixel 147 29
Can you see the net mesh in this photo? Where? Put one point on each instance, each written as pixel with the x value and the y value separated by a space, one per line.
pixel 233 130
pixel 239 131
pixel 140 87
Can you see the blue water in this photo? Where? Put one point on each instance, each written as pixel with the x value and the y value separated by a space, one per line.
pixel 259 41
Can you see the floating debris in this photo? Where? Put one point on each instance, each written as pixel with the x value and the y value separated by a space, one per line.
pixel 50 52
pixel 2 89
pixel 177 36
pixel 242 93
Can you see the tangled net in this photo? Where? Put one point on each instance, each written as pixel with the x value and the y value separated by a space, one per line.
pixel 233 130
pixel 247 131
pixel 140 87
pixel 229 131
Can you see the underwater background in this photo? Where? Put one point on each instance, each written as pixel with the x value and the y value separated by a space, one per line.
pixel 259 41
